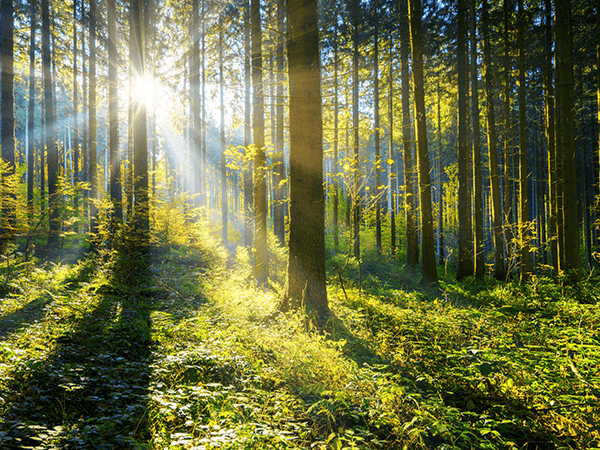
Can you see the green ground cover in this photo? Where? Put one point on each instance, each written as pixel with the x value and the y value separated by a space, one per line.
pixel 186 354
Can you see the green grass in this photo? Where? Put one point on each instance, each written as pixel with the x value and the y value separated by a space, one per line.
pixel 189 354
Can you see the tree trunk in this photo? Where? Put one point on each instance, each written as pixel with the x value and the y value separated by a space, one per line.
pixel 465 244
pixel 377 149
pixel 306 285
pixel 140 130
pixel 279 167
pixel 508 182
pixel 564 68
pixel 336 120
pixel 93 124
pixel 477 194
pixel 392 171
pixel 195 99
pixel 549 133
pixel 499 268
pixel 261 257
pixel 440 180
pixel 248 195
pixel 224 206
pixel 355 123
pixel 412 245
pixel 31 113
pixel 53 236
pixel 524 234
pixel 113 114
pixel 428 243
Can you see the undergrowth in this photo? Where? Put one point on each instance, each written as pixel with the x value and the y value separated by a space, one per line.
pixel 188 354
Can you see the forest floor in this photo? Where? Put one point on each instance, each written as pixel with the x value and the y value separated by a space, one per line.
pixel 191 356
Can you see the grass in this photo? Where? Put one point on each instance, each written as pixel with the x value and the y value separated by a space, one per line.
pixel 193 356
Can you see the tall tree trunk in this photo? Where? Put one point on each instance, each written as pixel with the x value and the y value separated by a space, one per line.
pixel 248 195
pixel 140 129
pixel 412 244
pixel 9 213
pixel 76 149
pixel 203 122
pixel 524 234
pixel 428 243
pixel 306 284
pixel 465 244
pixel 31 114
pixel 50 120
pixel 441 178
pixel 195 99
pixel 93 124
pixel 224 215
pixel 279 167
pixel 499 268
pixel 261 257
pixel 377 149
pixel 508 182
pixel 477 193
pixel 549 133
pixel 113 114
pixel 392 171
pixel 564 91
pixel 355 123
pixel 336 122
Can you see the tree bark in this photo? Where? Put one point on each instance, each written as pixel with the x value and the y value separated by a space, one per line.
pixel 113 115
pixel 465 244
pixel 248 194
pixel 93 127
pixel 355 128
pixel 224 206
pixel 306 285
pixel 377 145
pixel 428 243
pixel 261 257
pixel 31 113
pixel 195 99
pixel 392 171
pixel 499 267
pixel 279 167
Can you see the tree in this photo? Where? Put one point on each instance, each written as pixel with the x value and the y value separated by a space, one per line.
pixel 224 211
pixel 140 131
pixel 477 200
pixel 31 112
pixel 113 113
pixel 279 167
pixel 8 121
pixel 412 245
pixel 355 127
pixel 93 126
pixel 377 149
pixel 391 155
pixel 428 243
pixel 465 256
pixel 50 119
pixel 524 234
pixel 499 268
pixel 76 151
pixel 261 257
pixel 306 284
pixel 564 91
pixel 195 99
pixel 248 194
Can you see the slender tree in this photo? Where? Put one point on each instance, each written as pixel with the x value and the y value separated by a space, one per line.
pixel 279 166
pixel 391 154
pixel 428 243
pixel 261 258
pixel 477 194
pixel 76 149
pixel 113 113
pixel 31 113
pixel 8 120
pixel 248 194
pixel 524 234
pixel 377 145
pixel 195 99
pixel 355 126
pixel 306 286
pixel 499 268
pixel 50 119
pixel 93 124
pixel 336 121
pixel 465 245
pixel 224 215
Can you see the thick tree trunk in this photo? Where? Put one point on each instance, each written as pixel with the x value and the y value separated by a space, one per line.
pixel 499 267
pixel 392 171
pixel 428 243
pixel 279 167
pixel 441 260
pixel 261 257
pixel 465 238
pixel 564 68
pixel 412 244
pixel 306 286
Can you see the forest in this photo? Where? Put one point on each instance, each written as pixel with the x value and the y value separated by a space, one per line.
pixel 300 224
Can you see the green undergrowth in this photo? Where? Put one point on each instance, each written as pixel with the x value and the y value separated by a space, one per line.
pixel 188 354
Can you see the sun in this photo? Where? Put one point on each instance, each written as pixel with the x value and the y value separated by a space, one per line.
pixel 151 93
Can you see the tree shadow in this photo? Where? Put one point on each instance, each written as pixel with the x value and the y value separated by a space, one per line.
pixel 92 390
pixel 26 315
